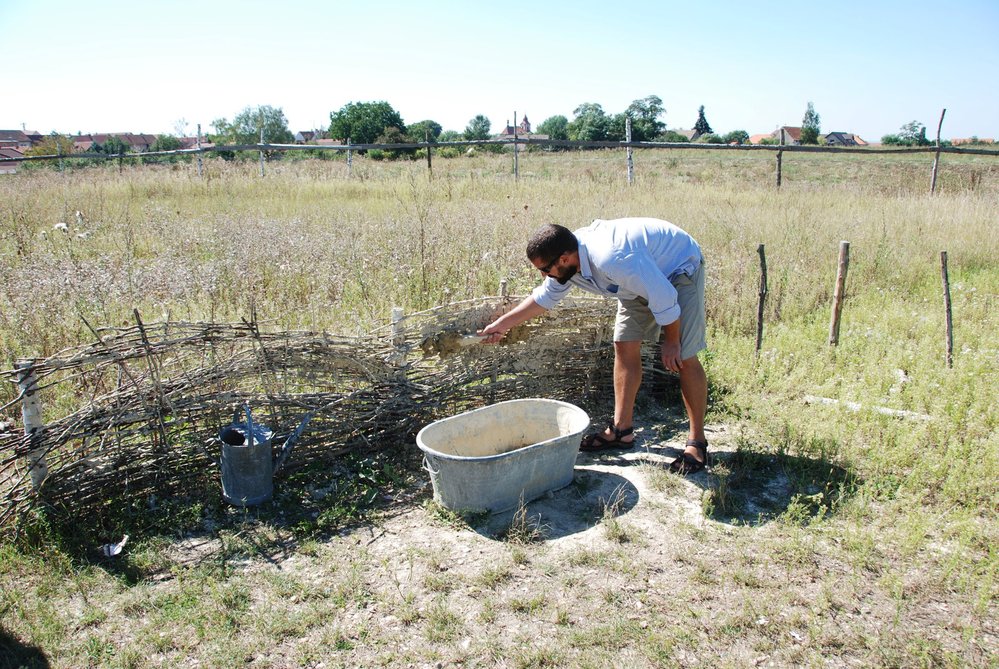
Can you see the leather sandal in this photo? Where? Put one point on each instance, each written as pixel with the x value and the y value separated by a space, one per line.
pixel 596 442
pixel 687 463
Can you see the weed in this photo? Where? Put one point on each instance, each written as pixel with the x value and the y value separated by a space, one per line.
pixel 442 623
pixel 524 529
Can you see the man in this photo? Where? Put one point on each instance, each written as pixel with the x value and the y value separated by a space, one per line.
pixel 656 272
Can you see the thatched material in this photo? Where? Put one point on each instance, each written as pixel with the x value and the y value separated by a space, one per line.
pixel 138 411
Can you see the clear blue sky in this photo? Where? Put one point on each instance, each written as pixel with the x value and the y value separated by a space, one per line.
pixel 868 66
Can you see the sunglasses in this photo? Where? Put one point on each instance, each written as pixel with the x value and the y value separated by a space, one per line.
pixel 548 268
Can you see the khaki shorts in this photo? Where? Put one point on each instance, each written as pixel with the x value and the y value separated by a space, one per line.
pixel 635 321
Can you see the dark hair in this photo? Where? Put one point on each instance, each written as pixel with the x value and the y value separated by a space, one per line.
pixel 550 242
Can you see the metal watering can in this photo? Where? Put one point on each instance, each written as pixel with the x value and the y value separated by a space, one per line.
pixel 246 461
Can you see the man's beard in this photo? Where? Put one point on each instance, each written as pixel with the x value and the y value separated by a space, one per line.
pixel 564 277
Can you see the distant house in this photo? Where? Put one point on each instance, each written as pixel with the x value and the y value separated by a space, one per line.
pixel 9 168
pixel 758 139
pixel 136 142
pixel 844 139
pixel 14 139
pixel 690 134
pixel 791 135
pixel 523 131
pixel 957 141
pixel 83 143
pixel 308 136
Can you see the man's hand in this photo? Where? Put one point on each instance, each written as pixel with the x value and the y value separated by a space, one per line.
pixel 524 311
pixel 670 347
pixel 492 333
pixel 671 356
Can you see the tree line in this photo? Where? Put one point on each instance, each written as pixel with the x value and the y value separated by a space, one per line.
pixel 377 122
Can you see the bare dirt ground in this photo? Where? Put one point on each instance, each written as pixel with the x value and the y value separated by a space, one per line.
pixel 621 568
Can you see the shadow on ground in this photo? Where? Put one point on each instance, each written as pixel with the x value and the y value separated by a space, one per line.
pixel 746 487
pixel 14 653
pixel 575 508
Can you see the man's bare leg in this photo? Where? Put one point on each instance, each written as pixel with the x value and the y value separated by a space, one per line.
pixel 627 379
pixel 694 390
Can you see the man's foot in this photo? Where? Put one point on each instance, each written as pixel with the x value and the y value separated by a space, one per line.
pixel 693 459
pixel 610 439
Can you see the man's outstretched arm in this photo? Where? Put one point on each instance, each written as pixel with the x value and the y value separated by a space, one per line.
pixel 521 313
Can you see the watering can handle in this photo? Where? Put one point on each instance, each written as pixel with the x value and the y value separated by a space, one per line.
pixel 290 442
pixel 250 437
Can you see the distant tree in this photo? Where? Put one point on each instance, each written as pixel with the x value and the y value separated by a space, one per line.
pixel 478 128
pixel 112 146
pixel 710 138
pixel 673 136
pixel 913 133
pixel 736 137
pixel 165 143
pixel 394 135
pixel 53 145
pixel 363 122
pixel 450 136
pixel 701 127
pixel 421 129
pixel 644 115
pixel 245 128
pixel 556 127
pixel 810 126
pixel 617 128
pixel 591 123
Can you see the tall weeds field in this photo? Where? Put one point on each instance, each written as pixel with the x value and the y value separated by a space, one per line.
pixel 311 247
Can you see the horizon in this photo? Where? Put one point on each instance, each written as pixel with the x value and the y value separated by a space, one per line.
pixel 163 70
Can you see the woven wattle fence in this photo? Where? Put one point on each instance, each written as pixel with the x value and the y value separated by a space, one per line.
pixel 137 411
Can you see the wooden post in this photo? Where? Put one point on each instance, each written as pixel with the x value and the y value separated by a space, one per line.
pixel 430 167
pixel 936 159
pixel 398 355
pixel 200 172
pixel 844 263
pixel 516 165
pixel 947 312
pixel 763 296
pixel 627 138
pixel 59 152
pixel 261 142
pixel 780 157
pixel 31 414
pixel 350 157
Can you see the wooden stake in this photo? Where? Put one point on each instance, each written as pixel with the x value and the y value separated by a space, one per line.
pixel 31 415
pixel 763 296
pixel 516 163
pixel 627 137
pixel 936 159
pixel 780 158
pixel 947 311
pixel 350 158
pixel 426 138
pixel 199 152
pixel 261 142
pixel 844 263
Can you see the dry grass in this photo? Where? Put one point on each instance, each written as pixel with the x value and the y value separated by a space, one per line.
pixel 827 538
